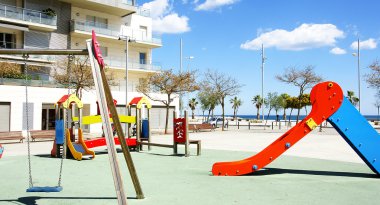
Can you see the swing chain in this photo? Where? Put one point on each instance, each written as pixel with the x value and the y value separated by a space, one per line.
pixel 70 60
pixel 25 57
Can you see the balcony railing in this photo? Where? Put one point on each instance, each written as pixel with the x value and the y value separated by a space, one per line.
pixel 114 31
pixel 33 83
pixel 27 15
pixel 132 63
pixel 128 2
pixel 99 28
pixel 143 12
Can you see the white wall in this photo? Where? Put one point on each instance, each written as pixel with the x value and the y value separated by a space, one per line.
pixel 40 95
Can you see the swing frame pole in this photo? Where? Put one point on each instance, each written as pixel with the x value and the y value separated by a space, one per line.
pixel 43 52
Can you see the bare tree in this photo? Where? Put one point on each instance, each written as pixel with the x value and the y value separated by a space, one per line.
pixel 373 78
pixel 303 79
pixel 222 86
pixel 76 72
pixel 169 83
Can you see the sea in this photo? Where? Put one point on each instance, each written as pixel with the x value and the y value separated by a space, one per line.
pixel 293 117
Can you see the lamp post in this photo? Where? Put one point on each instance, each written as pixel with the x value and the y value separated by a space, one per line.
pixel 180 71
pixel 358 55
pixel 187 70
pixel 189 58
pixel 263 58
pixel 127 40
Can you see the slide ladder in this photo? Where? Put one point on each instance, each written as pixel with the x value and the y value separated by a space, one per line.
pixel 328 103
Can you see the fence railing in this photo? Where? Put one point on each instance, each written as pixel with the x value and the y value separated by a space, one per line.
pixel 27 15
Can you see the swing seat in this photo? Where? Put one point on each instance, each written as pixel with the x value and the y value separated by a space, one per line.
pixel 45 189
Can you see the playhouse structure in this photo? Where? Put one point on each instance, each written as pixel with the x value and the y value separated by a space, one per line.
pixel 74 149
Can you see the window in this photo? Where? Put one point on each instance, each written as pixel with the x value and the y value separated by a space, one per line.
pixel 96 21
pixel 7 40
pixel 144 32
pixel 142 58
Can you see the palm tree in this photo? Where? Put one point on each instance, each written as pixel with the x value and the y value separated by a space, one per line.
pixel 352 98
pixel 193 104
pixel 377 105
pixel 284 103
pixel 258 101
pixel 236 103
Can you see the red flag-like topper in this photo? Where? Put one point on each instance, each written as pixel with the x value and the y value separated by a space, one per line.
pixel 97 51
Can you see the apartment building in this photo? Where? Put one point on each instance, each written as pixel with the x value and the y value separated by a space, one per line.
pixel 66 24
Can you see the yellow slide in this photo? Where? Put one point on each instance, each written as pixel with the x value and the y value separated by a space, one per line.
pixel 78 149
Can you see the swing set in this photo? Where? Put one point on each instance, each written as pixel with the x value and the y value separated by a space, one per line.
pixel 105 101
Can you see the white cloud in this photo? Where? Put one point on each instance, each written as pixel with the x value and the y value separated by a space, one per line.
pixel 171 23
pixel 338 51
pixel 306 36
pixel 164 20
pixel 213 4
pixel 367 44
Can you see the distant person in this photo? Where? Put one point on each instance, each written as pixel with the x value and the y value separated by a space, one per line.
pixel 277 118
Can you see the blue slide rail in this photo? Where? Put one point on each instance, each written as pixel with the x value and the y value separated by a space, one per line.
pixel 358 133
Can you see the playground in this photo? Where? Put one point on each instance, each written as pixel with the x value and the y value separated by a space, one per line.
pixel 301 176
pixel 346 172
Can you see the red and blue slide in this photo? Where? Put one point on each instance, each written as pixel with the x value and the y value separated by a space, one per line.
pixel 328 103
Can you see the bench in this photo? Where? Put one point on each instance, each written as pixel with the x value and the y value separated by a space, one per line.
pixel 13 135
pixel 42 134
pixel 196 142
pixel 206 126
pixel 193 127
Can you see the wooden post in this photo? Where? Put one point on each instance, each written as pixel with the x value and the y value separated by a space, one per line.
pixel 175 150
pixel 138 130
pixel 105 91
pixel 149 132
pixel 187 151
pixel 249 125
pixel 128 130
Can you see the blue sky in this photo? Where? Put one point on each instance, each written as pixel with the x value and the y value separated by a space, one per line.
pixel 225 35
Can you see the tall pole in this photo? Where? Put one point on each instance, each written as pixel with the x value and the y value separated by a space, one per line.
pixel 360 99
pixel 262 80
pixel 180 71
pixel 126 84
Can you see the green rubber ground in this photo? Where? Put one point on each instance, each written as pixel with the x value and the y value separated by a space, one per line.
pixel 178 180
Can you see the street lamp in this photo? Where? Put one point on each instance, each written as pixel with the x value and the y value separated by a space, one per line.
pixel 263 58
pixel 358 55
pixel 189 58
pixel 127 40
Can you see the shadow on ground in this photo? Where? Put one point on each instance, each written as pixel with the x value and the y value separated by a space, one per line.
pixel 272 171
pixel 32 200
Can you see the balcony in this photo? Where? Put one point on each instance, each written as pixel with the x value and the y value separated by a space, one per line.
pixel 112 31
pixel 32 83
pixel 31 18
pixel 115 7
pixel 102 30
pixel 133 64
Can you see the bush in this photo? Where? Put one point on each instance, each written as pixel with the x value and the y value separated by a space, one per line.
pixel 49 12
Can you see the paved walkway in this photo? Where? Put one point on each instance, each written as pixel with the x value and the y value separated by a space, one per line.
pixel 321 169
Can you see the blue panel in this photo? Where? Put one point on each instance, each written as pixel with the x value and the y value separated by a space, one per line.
pixel 79 148
pixel 358 133
pixel 145 129
pixel 45 189
pixel 59 131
